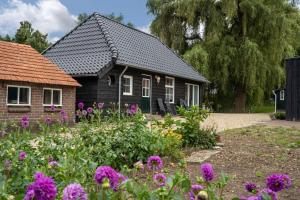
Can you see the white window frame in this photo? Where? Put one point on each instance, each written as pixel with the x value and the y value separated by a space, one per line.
pixel 169 86
pixel 147 88
pixel 130 86
pixel 53 89
pixel 188 94
pixel 281 95
pixel 18 96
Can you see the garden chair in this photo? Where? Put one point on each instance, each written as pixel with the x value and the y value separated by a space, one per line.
pixel 169 109
pixel 183 103
pixel 162 109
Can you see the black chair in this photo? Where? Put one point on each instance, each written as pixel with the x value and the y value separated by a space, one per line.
pixel 183 103
pixel 161 107
pixel 169 109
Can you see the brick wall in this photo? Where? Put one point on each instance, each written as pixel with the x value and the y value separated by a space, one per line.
pixel 36 111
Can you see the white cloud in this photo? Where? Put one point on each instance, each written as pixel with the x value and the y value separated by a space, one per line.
pixel 47 16
pixel 145 29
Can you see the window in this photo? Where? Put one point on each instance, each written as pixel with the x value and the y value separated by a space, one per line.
pixel 146 87
pixel 170 89
pixel 18 95
pixel 128 82
pixel 281 95
pixel 192 94
pixel 52 97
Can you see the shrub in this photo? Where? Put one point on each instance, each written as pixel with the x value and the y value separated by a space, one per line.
pixel 279 116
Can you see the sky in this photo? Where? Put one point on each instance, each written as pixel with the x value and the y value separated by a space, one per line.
pixel 57 17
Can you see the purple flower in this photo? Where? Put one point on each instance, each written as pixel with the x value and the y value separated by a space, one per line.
pixel 52 108
pixel 22 155
pixel 154 163
pixel 133 109
pixel 48 121
pixel 106 172
pixel 43 188
pixel 53 163
pixel 268 192
pixel 207 172
pixel 74 192
pixel 252 198
pixel 195 189
pixel 89 110
pixel 160 179
pixel 278 182
pixel 25 121
pixel 25 118
pixel 64 118
pixel 250 187
pixel 62 113
pixel 80 105
pixel 100 105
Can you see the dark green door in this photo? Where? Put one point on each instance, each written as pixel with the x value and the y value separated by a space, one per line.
pixel 146 95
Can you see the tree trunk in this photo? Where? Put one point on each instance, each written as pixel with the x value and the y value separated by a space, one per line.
pixel 240 100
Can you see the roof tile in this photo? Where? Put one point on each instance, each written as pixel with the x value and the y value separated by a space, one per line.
pixel 19 62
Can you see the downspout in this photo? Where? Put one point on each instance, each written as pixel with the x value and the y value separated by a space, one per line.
pixel 275 100
pixel 120 85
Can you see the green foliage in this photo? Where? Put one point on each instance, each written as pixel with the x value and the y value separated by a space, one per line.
pixel 119 18
pixel 193 135
pixel 245 42
pixel 27 35
pixel 279 115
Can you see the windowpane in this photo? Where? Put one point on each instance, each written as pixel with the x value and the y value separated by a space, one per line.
pixel 47 97
pixel 196 95
pixel 24 96
pixel 191 95
pixel 127 85
pixel 56 97
pixel 186 92
pixel 12 95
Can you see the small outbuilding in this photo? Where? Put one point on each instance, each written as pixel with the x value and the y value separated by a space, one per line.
pixel 32 85
pixel 293 89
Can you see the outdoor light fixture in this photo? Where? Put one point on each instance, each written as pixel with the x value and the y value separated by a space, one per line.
pixel 157 78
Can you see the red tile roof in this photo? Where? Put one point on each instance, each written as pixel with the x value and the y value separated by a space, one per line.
pixel 19 62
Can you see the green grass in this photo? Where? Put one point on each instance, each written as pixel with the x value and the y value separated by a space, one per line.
pixel 279 136
pixel 263 109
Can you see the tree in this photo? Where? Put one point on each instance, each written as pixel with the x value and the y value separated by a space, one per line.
pixel 119 18
pixel 27 35
pixel 246 41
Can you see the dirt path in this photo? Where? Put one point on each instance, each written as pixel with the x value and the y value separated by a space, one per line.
pixel 247 156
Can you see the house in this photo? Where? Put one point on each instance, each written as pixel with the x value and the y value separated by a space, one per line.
pixel 30 84
pixel 120 64
pixel 293 89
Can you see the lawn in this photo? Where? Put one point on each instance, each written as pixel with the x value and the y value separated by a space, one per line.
pixel 251 154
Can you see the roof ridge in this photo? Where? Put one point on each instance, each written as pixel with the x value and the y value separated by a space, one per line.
pixel 135 29
pixel 107 36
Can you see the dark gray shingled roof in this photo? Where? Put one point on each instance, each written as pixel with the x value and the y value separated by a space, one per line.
pixel 93 44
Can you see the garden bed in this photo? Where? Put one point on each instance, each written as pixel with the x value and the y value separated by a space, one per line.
pixel 250 154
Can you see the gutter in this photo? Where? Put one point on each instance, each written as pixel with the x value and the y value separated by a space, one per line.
pixel 120 84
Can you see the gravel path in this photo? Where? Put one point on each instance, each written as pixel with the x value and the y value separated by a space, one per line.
pixel 225 121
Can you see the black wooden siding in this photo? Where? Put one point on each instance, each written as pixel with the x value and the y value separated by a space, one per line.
pixel 88 92
pixel 108 94
pixel 293 89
